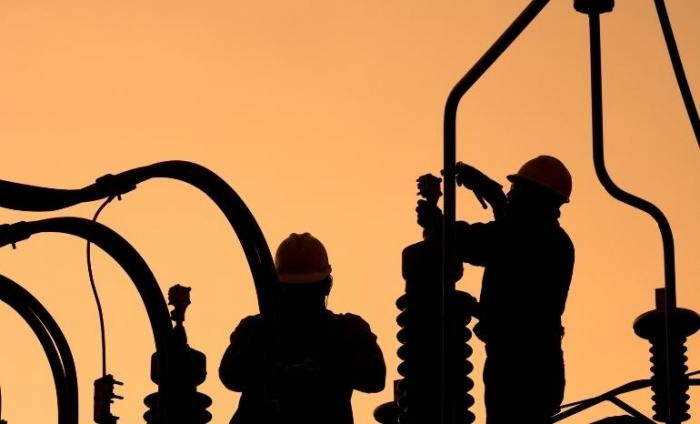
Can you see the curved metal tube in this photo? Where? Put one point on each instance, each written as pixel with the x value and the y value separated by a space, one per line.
pixel 52 341
pixel 33 198
pixel 449 147
pixel 604 177
pixel 132 263
pixel 629 199
pixel 450 118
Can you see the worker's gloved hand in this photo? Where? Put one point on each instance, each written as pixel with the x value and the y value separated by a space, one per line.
pixel 429 215
pixel 474 180
pixel 470 177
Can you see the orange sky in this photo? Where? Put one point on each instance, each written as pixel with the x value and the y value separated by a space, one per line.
pixel 321 115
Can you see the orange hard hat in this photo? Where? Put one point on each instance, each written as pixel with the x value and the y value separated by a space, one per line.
pixel 548 172
pixel 301 258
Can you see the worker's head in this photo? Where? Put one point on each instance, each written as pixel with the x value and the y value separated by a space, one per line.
pixel 303 271
pixel 542 183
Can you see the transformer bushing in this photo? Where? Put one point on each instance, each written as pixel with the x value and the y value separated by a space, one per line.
pixel 652 327
pixel 434 336
pixel 420 395
pixel 189 406
pixel 421 352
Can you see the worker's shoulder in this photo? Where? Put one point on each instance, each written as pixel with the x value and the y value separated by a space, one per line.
pixel 250 322
pixel 349 320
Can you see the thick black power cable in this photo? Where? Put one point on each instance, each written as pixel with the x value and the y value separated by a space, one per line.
pixel 94 291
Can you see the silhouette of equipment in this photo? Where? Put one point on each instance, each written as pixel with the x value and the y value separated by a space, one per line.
pixel 132 263
pixel 593 8
pixel 104 396
pixel 189 405
pixel 33 198
pixel 447 244
pixel 668 326
pixel 652 326
pixel 418 398
pixel 52 341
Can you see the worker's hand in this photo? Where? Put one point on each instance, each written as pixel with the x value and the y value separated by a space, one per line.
pixel 429 215
pixel 468 176
pixel 473 179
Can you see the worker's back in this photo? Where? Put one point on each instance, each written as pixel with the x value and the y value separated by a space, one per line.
pixel 302 366
pixel 309 374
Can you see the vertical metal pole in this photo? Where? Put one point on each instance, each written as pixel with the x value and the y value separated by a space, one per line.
pixel 449 158
pixel 616 192
pixel 678 67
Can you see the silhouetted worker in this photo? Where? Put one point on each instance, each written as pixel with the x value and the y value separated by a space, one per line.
pixel 317 358
pixel 528 261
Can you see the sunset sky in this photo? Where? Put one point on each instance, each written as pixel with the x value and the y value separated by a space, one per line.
pixel 321 114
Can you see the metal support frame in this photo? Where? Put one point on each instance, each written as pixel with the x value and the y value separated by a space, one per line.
pixel 449 161
pixel 629 199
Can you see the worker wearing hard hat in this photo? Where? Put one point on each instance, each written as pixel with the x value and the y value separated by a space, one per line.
pixel 528 263
pixel 305 370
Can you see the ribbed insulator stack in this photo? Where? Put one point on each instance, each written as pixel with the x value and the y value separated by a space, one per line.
pixel 418 396
pixel 669 381
pixel 462 308
pixel 421 396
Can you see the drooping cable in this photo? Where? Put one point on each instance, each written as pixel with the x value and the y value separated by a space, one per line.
pixel 94 290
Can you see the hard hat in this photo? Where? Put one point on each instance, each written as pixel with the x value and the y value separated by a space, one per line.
pixel 548 172
pixel 301 258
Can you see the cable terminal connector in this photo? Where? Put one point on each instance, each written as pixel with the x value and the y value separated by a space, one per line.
pixel 114 185
pixel 104 397
pixel 13 233
pixel 594 6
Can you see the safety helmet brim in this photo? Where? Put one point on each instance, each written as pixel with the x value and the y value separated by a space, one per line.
pixel 309 278
pixel 547 172
pixel 515 177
